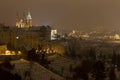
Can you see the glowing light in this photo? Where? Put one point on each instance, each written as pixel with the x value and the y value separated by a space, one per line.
pixel 7 52
pixel 116 37
pixel 53 34
pixel 17 37
pixel 29 16
pixel 19 53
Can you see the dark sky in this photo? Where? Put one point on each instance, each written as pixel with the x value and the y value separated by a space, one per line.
pixel 65 14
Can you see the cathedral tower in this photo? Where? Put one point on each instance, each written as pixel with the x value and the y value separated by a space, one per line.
pixel 17 20
pixel 25 21
pixel 29 20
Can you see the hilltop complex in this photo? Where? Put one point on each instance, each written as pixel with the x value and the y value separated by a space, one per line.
pixel 24 33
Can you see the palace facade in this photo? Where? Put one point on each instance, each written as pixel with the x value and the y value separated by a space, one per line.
pixel 16 37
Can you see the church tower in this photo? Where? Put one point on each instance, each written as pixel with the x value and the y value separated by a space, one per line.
pixel 17 20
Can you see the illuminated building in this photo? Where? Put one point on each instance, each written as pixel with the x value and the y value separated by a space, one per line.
pixel 53 34
pixel 24 34
pixel 25 22
pixel 117 37
pixel 18 37
pixel 5 51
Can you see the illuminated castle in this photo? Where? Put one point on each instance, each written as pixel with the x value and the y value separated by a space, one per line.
pixel 25 22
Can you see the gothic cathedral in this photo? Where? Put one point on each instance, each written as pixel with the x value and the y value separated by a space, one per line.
pixel 25 22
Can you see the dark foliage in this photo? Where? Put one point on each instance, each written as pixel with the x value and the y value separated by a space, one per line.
pixel 81 71
pixel 112 75
pixel 5 71
pixel 98 70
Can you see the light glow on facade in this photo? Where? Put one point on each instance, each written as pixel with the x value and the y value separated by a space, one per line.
pixel 53 34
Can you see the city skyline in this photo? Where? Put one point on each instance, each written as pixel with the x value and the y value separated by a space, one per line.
pixel 65 15
pixel 60 40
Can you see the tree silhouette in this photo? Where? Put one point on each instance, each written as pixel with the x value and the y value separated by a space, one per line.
pixel 114 58
pixel 98 71
pixel 32 55
pixel 5 71
pixel 92 53
pixel 6 75
pixel 82 71
pixel 112 75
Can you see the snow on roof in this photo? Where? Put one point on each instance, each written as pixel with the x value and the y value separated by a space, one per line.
pixel 38 72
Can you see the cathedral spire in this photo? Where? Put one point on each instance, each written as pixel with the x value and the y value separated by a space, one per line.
pixel 29 16
pixel 29 20
pixel 25 21
pixel 17 19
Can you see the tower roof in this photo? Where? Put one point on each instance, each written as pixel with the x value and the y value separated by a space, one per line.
pixel 29 16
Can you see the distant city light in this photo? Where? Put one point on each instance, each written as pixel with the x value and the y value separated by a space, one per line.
pixel 17 37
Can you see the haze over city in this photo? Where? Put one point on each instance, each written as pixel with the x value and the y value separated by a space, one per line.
pixel 59 39
pixel 65 14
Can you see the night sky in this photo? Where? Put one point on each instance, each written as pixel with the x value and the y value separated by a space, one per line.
pixel 65 15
